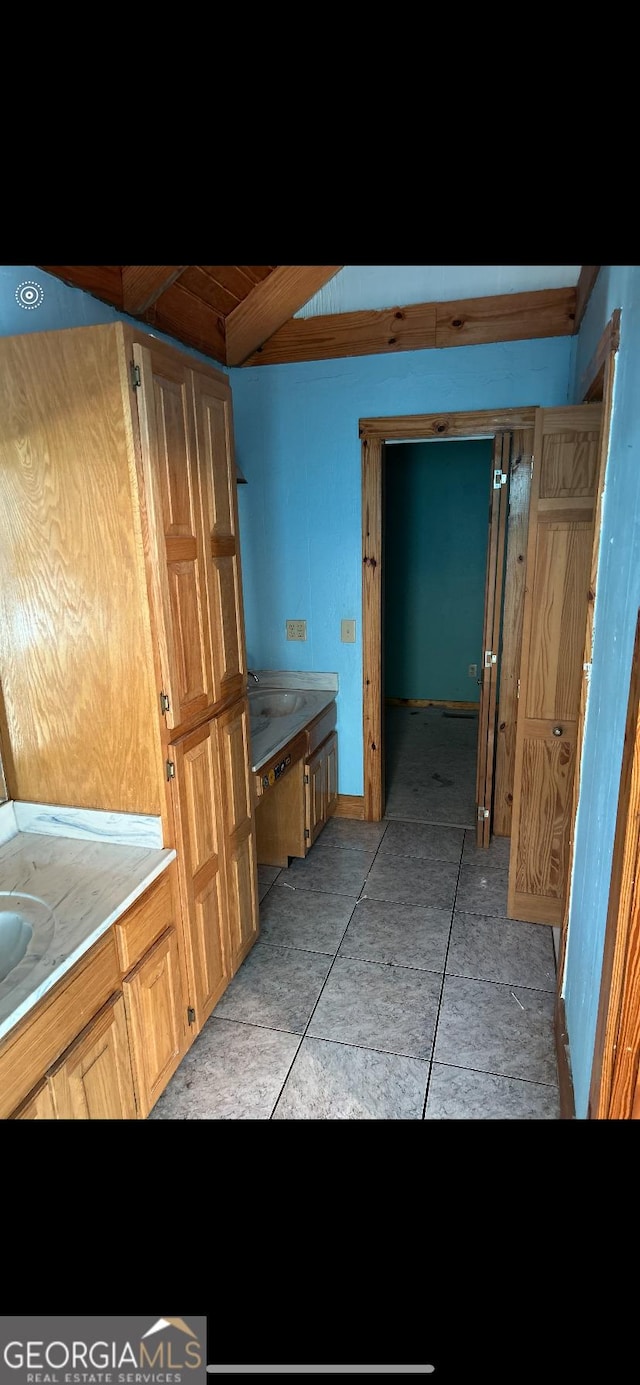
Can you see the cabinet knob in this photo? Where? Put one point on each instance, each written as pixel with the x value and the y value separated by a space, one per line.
pixel 557 731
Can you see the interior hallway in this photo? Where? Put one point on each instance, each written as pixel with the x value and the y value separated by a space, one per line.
pixel 387 982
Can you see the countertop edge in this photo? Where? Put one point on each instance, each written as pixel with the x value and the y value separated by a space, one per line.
pixel 296 724
pixel 100 929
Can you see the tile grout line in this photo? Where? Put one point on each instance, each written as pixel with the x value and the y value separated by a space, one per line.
pixel 444 974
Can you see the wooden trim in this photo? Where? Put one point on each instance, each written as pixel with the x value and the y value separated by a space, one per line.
pixel 511 634
pixel 614 1071
pixel 612 335
pixel 374 432
pixel 425 427
pixel 104 281
pixel 420 326
pixel 429 702
pixel 592 379
pixel 142 284
pixel 494 569
pixel 565 1080
pixel 586 281
pixel 270 304
pixel 349 805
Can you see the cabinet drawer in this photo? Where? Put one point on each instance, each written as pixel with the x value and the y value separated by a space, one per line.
pixel 145 920
pixel 319 729
pixel 37 1042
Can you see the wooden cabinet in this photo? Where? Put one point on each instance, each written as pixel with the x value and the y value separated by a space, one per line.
pixel 119 555
pixel 321 788
pixel 131 989
pixel 291 813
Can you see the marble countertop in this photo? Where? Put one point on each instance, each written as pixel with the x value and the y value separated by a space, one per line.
pixel 310 694
pixel 86 885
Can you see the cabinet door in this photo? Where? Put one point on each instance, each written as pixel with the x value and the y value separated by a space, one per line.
pixel 331 777
pixel 155 1009
pixel 218 494
pixel 198 806
pixel 315 795
pixel 93 1079
pixel 38 1107
pixel 175 536
pixel 240 835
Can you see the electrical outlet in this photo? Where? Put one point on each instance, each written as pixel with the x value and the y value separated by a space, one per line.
pixel 296 629
pixel 348 631
pixel 473 670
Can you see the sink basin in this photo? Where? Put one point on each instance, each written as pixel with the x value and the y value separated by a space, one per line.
pixel 26 930
pixel 266 704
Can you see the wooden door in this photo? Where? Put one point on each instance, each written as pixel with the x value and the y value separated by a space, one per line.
pixel 156 1014
pixel 331 750
pixel 169 458
pixel 498 509
pixel 561 519
pixel 240 833
pixel 93 1079
pixel 218 493
pixel 199 815
pixel 315 796
pixel 38 1106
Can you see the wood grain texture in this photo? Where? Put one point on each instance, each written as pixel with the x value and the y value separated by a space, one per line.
pixel 557 584
pixel 616 1059
pixel 467 424
pixel 102 280
pixel 592 380
pixel 150 916
pixel 93 1080
pixel 372 628
pixel 511 639
pixel 240 831
pixel 39 1106
pixel 315 792
pixel 350 805
pixel 75 636
pixel 155 1008
pixel 491 637
pixel 142 284
pixel 270 304
pixel 419 326
pixel 182 315
pixel 586 282
pixel 280 819
pixel 429 702
pixel 331 757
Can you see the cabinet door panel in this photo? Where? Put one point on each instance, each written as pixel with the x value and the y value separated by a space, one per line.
pixel 39 1106
pixel 240 839
pixel 168 444
pixel 331 777
pixel 218 491
pixel 315 795
pixel 93 1080
pixel 199 810
pixel 156 1011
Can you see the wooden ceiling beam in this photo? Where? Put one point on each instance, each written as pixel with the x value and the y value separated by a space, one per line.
pixel 421 326
pixel 142 284
pixel 588 276
pixel 104 281
pixel 270 304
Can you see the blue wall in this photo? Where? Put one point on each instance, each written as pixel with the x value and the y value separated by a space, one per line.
pixel 435 555
pixel 615 615
pixel 297 443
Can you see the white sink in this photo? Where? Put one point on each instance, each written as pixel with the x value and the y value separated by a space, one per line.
pixel 27 926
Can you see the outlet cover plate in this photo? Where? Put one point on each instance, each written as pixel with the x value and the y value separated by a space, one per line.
pixel 296 629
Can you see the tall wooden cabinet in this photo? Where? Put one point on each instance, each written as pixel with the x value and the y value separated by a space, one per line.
pixel 122 653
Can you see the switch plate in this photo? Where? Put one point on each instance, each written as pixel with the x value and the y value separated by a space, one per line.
pixel 296 629
pixel 473 670
pixel 348 631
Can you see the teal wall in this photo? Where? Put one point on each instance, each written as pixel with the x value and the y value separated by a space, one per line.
pixel 615 616
pixel 436 531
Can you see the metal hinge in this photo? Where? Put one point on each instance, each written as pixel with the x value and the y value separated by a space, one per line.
pixel 482 812
pixel 135 376
pixel 586 669
pixel 518 691
pixel 307 832
pixel 499 478
pixel 306 779
pixel 191 1014
pixel 489 656
pixel 164 703
pixel 171 769
pixel 532 460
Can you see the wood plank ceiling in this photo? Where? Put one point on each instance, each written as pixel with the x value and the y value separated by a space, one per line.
pixel 245 314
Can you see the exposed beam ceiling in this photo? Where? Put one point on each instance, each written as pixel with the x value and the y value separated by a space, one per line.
pixel 270 305
pixel 142 284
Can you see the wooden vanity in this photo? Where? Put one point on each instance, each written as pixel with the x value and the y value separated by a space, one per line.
pixel 297 791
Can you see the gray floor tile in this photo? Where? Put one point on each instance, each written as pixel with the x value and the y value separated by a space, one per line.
pixel 458 1094
pixel 333 870
pixel 350 833
pixel 232 1072
pixel 373 1006
pixel 266 877
pixel 406 880
pixel 424 840
pixel 497 949
pixel 483 1025
pixel 380 931
pixel 331 1081
pixel 275 986
pixel 496 853
pixel 482 888
pixel 305 919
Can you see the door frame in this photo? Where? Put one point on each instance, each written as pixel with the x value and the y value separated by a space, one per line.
pixel 374 433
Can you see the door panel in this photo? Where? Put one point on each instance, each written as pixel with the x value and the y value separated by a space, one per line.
pixel 561 517
pixel 155 1009
pixel 93 1079
pixel 240 834
pixel 491 638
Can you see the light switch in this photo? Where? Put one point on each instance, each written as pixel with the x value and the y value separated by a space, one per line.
pixel 348 632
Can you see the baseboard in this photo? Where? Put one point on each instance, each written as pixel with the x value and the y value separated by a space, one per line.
pixel 565 1080
pixel 431 702
pixel 350 805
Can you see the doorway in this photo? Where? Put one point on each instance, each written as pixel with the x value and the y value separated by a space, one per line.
pixel 435 541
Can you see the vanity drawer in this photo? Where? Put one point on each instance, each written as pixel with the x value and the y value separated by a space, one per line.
pixel 322 727
pixel 146 920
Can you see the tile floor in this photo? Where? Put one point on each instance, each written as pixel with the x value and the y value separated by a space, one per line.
pixel 387 983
